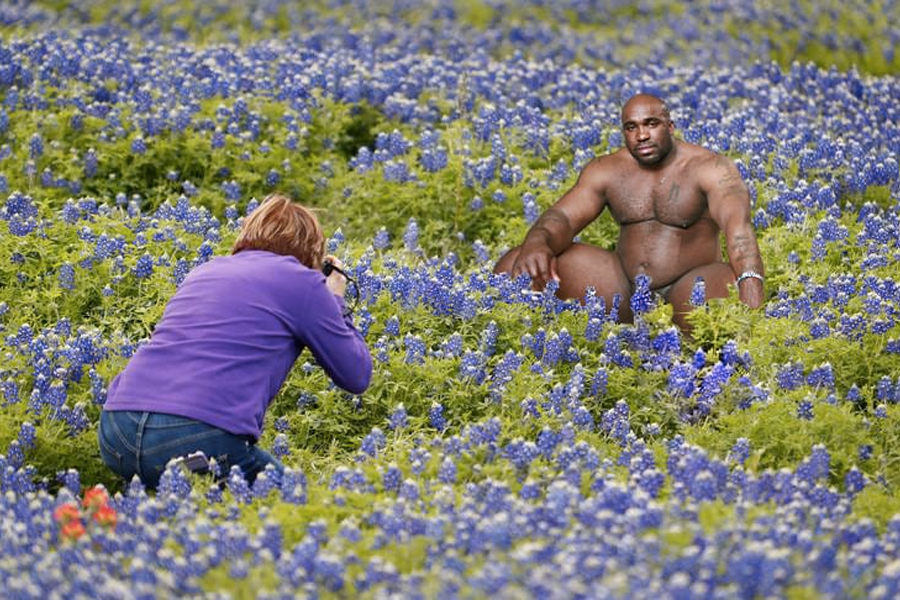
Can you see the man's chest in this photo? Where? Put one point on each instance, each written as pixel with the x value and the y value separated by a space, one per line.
pixel 671 201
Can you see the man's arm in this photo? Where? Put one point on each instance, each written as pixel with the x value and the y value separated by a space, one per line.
pixel 555 229
pixel 729 205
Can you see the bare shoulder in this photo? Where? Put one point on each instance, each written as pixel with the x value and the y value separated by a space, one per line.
pixel 600 169
pixel 711 168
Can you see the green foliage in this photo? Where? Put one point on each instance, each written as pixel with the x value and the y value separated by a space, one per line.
pixel 108 301
pixel 779 438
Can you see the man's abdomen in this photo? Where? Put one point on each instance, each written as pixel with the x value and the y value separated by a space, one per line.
pixel 665 253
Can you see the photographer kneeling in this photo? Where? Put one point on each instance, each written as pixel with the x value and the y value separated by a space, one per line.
pixel 227 340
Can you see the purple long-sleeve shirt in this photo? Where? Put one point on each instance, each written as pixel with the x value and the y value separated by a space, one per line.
pixel 229 337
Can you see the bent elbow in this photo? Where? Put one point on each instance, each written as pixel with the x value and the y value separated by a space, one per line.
pixel 358 379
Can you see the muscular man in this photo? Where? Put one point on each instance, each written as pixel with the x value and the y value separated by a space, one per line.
pixel 671 200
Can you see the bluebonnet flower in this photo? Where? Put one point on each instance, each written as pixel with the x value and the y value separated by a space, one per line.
pixel 27 435
pixel 472 366
pixel 281 446
pixel 373 442
pixel 886 390
pixel 281 424
pixel 447 472
pixel 488 339
pixel 503 373
pixel 599 382
pixel 35 146
pixel 397 171
pixel 698 292
pixel 232 191
pixel 306 399
pixel 90 163
pixel 593 329
pixel 529 408
pixel 382 239
pixel 392 326
pixel 854 481
pixel 740 451
pixel 821 376
pixel 398 418
pixel 143 268
pixel 712 384
pixel 293 486
pixel 71 480
pixel 436 417
pixel 415 349
pixel 615 353
pixel 434 159
pixel 139 146
pixel 731 356
pixel 805 410
pixel 411 235
pixel 682 380
pixel 819 328
pixel 615 422
pixel 816 466
pixel 334 241
pixel 66 277
pixel 392 478
pixel 667 343
pixel 482 253
pixel 273 178
pixel 790 376
pixel 642 299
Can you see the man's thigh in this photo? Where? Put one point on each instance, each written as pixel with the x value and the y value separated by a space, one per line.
pixel 717 279
pixel 583 265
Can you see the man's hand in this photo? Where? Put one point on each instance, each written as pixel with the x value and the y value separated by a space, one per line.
pixel 539 262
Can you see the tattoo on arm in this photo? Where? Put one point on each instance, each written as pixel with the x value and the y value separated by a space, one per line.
pixel 744 248
pixel 728 178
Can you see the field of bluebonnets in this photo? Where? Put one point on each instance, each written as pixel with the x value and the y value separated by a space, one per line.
pixel 511 444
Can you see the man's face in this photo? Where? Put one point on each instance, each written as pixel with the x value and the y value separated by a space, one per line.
pixel 648 131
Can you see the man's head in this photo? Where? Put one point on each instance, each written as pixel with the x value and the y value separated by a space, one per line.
pixel 648 128
pixel 284 227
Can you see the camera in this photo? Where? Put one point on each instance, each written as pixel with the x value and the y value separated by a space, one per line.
pixel 328 268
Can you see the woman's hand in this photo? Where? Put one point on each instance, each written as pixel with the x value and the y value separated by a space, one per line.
pixel 335 280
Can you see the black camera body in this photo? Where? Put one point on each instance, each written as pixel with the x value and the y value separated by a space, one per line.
pixel 328 267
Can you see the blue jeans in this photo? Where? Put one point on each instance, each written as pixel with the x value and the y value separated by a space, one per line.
pixel 142 443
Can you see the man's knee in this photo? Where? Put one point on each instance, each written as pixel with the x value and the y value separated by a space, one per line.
pixel 505 263
pixel 582 266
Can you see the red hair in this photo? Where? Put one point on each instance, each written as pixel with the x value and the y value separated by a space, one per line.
pixel 285 227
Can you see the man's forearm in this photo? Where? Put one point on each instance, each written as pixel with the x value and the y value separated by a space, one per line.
pixel 747 264
pixel 744 255
pixel 553 229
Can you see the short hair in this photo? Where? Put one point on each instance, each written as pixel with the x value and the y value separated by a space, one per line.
pixel 284 227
